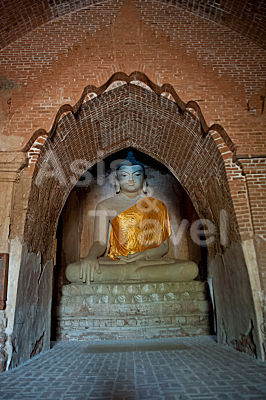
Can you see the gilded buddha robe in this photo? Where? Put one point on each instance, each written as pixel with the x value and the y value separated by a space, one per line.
pixel 141 227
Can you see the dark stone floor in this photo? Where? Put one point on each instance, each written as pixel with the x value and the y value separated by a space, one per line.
pixel 198 368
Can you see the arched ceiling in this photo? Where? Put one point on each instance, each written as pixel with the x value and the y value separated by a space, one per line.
pixel 18 17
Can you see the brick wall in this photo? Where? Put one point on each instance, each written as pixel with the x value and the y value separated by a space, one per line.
pixel 246 17
pixel 255 173
pixel 202 60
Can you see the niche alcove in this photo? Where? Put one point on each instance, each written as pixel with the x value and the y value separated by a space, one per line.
pixel 128 310
pixel 133 113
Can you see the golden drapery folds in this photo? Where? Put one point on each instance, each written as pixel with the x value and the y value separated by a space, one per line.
pixel 141 227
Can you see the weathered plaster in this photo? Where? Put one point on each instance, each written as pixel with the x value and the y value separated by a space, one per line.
pixel 10 165
pixel 235 306
pixel 5 213
pixel 10 143
pixel 3 353
pixel 255 283
pixel 32 318
pixel 13 274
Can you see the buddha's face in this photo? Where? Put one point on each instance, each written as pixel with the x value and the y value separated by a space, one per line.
pixel 131 178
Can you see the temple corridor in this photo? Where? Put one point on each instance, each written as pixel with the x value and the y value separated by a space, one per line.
pixel 198 368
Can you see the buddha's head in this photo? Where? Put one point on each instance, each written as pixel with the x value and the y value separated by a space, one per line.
pixel 130 177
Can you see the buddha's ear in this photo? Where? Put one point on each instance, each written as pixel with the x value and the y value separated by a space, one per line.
pixel 145 186
pixel 117 185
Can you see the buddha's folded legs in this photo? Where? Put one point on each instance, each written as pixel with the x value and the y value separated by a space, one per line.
pixel 176 271
pixel 150 271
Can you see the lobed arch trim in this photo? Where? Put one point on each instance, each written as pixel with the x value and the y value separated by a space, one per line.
pixel 159 90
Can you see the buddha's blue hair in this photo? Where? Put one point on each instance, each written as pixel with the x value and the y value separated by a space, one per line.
pixel 130 160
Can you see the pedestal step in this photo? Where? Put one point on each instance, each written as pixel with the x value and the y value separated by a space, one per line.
pixel 133 311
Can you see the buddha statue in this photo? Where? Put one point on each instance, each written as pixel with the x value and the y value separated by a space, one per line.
pixel 131 237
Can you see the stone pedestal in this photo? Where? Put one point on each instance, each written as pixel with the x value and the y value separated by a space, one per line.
pixel 133 311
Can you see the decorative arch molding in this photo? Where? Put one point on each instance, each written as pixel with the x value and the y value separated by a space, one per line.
pixel 120 78
pixel 129 116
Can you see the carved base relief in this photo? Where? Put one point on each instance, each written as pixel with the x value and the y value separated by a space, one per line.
pixel 133 311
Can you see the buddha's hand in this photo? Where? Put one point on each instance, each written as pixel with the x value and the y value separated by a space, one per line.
pixel 88 266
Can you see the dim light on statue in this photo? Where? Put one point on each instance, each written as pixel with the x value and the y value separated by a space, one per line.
pixel 131 236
